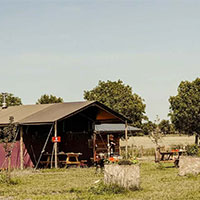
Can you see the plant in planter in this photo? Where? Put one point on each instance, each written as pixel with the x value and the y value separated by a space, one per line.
pixel 125 173
pixel 131 161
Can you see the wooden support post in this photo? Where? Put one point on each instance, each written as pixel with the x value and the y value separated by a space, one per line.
pixel 21 149
pixel 119 146
pixel 126 138
pixel 108 145
pixel 56 145
pixel 94 146
pixel 196 139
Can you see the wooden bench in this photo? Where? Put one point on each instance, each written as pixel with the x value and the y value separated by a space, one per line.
pixel 83 163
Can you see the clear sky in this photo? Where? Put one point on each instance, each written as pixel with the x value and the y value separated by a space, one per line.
pixel 63 47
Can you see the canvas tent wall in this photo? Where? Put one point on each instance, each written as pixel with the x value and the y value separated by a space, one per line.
pixel 75 118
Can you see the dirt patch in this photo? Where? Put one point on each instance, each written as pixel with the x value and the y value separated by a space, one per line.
pixel 24 172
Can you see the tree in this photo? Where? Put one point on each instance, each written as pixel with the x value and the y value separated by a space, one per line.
pixel 120 98
pixel 46 99
pixel 11 100
pixel 156 137
pixel 7 136
pixel 148 127
pixel 166 127
pixel 185 108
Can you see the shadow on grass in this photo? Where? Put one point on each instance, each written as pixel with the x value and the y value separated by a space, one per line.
pixel 193 176
pixel 170 166
pixel 163 166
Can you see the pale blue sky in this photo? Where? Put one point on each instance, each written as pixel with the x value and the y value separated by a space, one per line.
pixel 64 47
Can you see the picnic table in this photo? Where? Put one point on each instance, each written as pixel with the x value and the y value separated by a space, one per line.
pixel 72 159
pixel 170 156
pixel 64 159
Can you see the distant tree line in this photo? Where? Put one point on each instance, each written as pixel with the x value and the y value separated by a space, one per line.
pixel 47 99
pixel 11 100
pixel 184 108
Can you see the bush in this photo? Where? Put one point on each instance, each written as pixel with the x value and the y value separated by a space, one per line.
pixel 193 150
pixel 177 146
pixel 130 161
pixel 3 178
pixel 12 181
pixel 102 189
pixel 138 134
pixel 125 162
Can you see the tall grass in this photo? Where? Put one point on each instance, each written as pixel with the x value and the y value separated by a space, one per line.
pixel 134 151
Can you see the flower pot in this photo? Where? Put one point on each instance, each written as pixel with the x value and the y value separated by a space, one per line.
pixel 127 176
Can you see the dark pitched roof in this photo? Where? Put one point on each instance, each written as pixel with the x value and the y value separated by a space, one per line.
pixel 49 113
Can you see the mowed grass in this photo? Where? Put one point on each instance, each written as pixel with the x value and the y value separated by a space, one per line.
pixel 157 182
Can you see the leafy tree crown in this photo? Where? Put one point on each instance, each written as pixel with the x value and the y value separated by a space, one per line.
pixel 47 99
pixel 7 133
pixel 166 127
pixel 120 98
pixel 11 100
pixel 185 107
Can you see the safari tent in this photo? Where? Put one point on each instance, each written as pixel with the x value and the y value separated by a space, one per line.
pixel 55 128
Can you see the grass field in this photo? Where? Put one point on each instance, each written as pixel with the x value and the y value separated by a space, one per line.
pixel 166 141
pixel 157 182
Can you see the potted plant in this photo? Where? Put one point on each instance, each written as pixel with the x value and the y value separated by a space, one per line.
pixel 125 173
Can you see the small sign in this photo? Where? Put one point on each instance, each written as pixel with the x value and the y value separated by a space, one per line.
pixel 56 139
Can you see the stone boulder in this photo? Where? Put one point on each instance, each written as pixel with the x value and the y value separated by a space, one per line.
pixel 189 165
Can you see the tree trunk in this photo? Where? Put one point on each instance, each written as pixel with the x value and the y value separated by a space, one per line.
pixel 196 139
pixel 9 168
pixel 157 154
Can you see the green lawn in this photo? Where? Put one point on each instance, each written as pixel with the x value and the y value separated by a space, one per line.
pixel 157 182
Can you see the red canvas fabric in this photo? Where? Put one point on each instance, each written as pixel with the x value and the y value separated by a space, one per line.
pixel 15 157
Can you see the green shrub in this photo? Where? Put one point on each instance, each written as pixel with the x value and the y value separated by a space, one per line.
pixel 138 134
pixel 177 146
pixel 102 189
pixel 193 150
pixel 125 162
pixel 3 178
pixel 11 181
pixel 130 161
